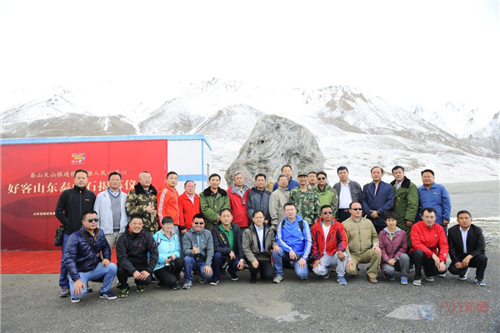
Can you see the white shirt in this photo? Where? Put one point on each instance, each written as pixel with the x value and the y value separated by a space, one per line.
pixel 464 237
pixel 325 231
pixel 344 196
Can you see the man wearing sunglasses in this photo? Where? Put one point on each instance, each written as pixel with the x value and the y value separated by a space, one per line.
pixel 84 261
pixel 362 242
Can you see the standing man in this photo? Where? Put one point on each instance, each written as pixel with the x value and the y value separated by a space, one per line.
pixel 405 201
pixel 329 246
pixel 291 183
pixel 467 245
pixel 294 242
pixel 277 201
pixel 168 202
pixel 377 198
pixel 238 198
pixel 434 195
pixel 429 247
pixel 84 264
pixel 141 201
pixel 305 200
pixel 198 252
pixel 362 243
pixel 212 201
pixel 258 199
pixel 71 205
pixel 312 179
pixel 110 207
pixel 348 191
pixel 189 205
pixel 327 194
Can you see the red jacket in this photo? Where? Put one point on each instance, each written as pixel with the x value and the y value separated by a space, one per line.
pixel 188 209
pixel 429 240
pixel 239 206
pixel 335 241
pixel 168 204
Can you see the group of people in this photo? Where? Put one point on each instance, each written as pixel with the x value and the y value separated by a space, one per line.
pixel 305 223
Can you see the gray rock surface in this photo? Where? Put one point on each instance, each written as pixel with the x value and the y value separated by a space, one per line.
pixel 274 142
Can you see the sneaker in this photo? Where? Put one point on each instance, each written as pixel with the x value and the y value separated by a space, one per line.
pixel 176 286
pixel 404 280
pixel 202 280
pixel 326 276
pixel 463 277
pixel 480 282
pixel 64 292
pixel 140 288
pixel 417 282
pixel 187 285
pixel 75 300
pixel 278 278
pixel 392 278
pixel 443 275
pixel 124 292
pixel 429 278
pixel 304 278
pixel 234 277
pixel 108 295
pixel 253 281
pixel 214 283
pixel 158 285
pixel 341 280
pixel 89 289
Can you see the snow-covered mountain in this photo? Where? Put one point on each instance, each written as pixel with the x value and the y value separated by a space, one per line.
pixel 352 128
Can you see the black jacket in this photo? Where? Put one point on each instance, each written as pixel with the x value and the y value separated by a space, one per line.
pixel 475 242
pixel 221 243
pixel 79 256
pixel 258 200
pixel 71 205
pixel 133 250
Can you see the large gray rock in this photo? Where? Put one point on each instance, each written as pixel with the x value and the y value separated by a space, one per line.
pixel 274 142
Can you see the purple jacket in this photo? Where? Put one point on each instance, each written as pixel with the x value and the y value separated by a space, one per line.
pixel 391 249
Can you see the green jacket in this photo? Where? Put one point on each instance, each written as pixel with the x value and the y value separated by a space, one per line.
pixel 137 202
pixel 328 197
pixel 406 204
pixel 307 204
pixel 211 205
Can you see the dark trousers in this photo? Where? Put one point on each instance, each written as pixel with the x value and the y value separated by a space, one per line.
pixel 217 265
pixel 167 277
pixel 479 262
pixel 343 214
pixel 265 269
pixel 379 228
pixel 123 275
pixel 420 260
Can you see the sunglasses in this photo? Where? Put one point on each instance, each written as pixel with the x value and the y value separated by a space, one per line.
pixel 327 213
pixel 356 208
pixel 93 220
pixel 322 178
pixel 198 223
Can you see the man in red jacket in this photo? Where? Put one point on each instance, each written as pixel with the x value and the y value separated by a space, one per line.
pixel 238 197
pixel 329 251
pixel 168 201
pixel 189 205
pixel 429 247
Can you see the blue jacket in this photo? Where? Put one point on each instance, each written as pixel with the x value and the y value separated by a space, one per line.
pixel 166 247
pixel 290 238
pixel 79 256
pixel 438 198
pixel 382 202
pixel 291 185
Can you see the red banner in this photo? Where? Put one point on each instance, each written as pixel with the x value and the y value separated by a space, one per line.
pixel 34 175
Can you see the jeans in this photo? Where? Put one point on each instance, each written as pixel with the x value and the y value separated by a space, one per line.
pixel 278 258
pixel 326 261
pixel 190 263
pixel 217 264
pixel 63 278
pixel 108 272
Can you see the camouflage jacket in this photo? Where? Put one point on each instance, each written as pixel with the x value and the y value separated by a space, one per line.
pixel 137 202
pixel 307 204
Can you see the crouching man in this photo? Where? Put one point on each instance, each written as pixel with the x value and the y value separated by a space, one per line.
pixel 82 257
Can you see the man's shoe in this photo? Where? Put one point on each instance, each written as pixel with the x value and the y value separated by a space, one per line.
pixel 176 286
pixel 108 295
pixel 187 285
pixel 252 281
pixel 202 280
pixel 140 288
pixel 214 283
pixel 326 276
pixel 124 292
pixel 304 278
pixel 392 278
pixel 234 277
pixel 158 285
pixel 278 278
pixel 371 280
pixel 464 277
pixel 417 282
pixel 480 282
pixel 404 280
pixel 64 292
pixel 89 289
pixel 341 280
pixel 429 278
pixel 75 300
pixel 442 275
pixel 354 275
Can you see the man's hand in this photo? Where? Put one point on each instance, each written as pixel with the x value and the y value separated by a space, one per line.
pixel 316 263
pixel 137 275
pixel 78 288
pixel 349 265
pixel 150 209
pixel 458 265
pixel 445 222
pixel 241 265
pixel 341 255
pixel 105 262
pixel 302 262
pixel 374 214
pixel 276 248
pixel 144 275
pixel 255 263
pixel 266 221
pixel 207 269
pixel 437 262
pixel 232 255
pixel 376 249
pixel 409 223
pixel 195 249
pixel 442 267
pixel 465 262
pixel 183 231
pixel 173 257
pixel 391 262
pixel 292 255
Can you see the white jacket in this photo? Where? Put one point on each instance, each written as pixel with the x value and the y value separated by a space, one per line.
pixel 105 214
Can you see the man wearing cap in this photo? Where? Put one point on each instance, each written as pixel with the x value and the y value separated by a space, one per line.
pixel 306 201
pixel 238 198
